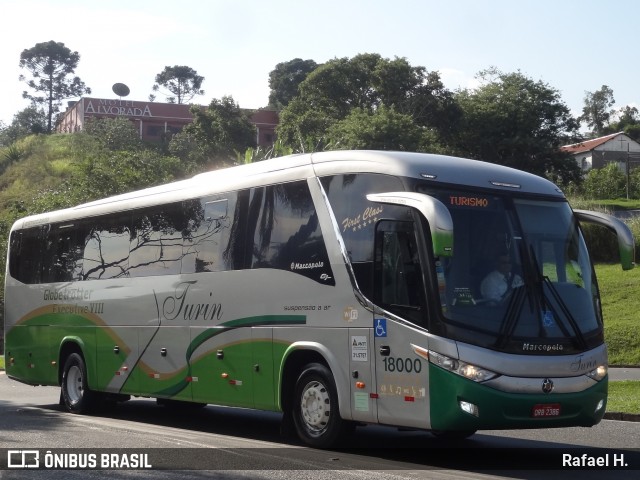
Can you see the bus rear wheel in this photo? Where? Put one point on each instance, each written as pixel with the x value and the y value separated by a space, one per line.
pixel 316 416
pixel 76 395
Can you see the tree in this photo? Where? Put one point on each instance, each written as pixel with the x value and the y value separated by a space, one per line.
pixel 216 134
pixel 366 82
pixel 285 78
pixel 183 82
pixel 513 120
pixel 628 115
pixel 51 65
pixel 596 111
pixel 628 122
pixel 606 182
pixel 114 134
pixel 383 129
pixel 136 169
pixel 26 122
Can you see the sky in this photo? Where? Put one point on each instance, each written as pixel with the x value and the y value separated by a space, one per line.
pixel 573 46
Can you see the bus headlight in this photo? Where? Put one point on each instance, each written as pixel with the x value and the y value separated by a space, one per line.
pixel 461 368
pixel 599 373
pixel 476 374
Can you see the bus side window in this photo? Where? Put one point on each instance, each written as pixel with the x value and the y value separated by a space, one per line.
pixel 106 247
pixel 25 262
pixel 63 256
pixel 156 247
pixel 286 232
pixel 206 239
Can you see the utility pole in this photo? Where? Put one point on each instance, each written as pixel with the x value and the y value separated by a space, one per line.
pixel 627 173
pixel 627 168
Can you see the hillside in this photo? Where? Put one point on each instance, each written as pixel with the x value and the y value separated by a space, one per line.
pixel 46 172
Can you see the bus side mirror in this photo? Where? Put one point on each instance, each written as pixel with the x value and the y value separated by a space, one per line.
pixel 438 216
pixel 626 243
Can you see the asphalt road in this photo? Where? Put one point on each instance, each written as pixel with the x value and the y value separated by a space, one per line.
pixel 239 444
pixel 624 373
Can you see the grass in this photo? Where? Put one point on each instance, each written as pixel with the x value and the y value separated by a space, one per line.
pixel 611 204
pixel 624 396
pixel 621 312
pixel 1 362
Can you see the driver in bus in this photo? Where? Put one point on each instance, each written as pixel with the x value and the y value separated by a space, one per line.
pixel 498 284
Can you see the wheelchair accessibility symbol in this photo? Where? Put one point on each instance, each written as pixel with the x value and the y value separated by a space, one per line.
pixel 380 327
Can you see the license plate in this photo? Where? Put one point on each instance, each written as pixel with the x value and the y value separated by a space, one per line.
pixel 545 410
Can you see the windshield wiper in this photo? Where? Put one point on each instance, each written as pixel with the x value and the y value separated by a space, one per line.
pixel 541 280
pixel 516 303
pixel 565 310
pixel 508 325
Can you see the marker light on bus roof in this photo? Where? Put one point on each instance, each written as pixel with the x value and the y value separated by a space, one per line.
pixel 505 184
pixel 461 368
pixel 428 176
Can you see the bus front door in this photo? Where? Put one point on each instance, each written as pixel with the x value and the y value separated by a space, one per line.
pixel 402 376
pixel 400 347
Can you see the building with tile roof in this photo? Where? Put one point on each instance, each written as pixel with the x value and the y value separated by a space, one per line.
pixel 598 152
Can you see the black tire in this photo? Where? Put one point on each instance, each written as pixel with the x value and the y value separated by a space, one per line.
pixel 315 412
pixel 76 395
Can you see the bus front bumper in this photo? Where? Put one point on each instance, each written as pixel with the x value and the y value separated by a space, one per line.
pixel 459 404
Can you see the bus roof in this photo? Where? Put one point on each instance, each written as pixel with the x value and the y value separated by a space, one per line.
pixel 439 169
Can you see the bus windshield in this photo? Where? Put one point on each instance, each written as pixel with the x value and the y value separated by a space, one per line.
pixel 520 279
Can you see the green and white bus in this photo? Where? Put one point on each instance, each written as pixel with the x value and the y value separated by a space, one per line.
pixel 340 288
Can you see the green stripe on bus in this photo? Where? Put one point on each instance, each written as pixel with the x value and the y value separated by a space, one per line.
pixel 258 321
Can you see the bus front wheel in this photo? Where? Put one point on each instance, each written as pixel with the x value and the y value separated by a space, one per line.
pixel 316 416
pixel 76 395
